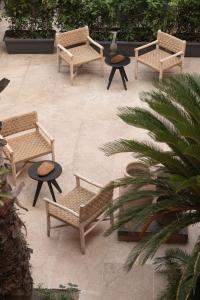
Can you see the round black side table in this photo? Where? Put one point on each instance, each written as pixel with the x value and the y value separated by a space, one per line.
pixel 119 66
pixel 49 178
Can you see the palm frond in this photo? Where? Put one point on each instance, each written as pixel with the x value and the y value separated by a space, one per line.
pixel 193 151
pixel 149 246
pixel 162 104
pixel 149 150
pixel 172 266
pixel 179 89
pixel 173 256
pixel 191 274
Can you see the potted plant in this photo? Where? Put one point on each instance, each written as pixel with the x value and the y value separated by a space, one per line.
pixel 30 26
pixel 69 292
pixel 172 120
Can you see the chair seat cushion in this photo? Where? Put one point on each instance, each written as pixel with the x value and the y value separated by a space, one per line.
pixel 82 54
pixel 153 58
pixel 28 146
pixel 73 200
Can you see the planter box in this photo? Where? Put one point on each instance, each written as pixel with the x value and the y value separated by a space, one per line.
pixel 192 48
pixel 29 46
pixel 37 296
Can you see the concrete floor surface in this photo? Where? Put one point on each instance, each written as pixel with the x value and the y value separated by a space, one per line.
pixel 81 118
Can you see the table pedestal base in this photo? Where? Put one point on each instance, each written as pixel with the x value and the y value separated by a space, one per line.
pixel 122 73
pixel 50 184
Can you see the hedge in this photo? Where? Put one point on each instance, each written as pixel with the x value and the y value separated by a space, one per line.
pixel 137 20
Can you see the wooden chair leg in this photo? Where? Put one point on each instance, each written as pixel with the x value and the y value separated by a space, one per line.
pixel 48 224
pixel 111 219
pixel 53 153
pixel 58 62
pixel 181 68
pixel 102 66
pixel 72 74
pixel 161 75
pixel 136 69
pixel 14 173
pixel 82 239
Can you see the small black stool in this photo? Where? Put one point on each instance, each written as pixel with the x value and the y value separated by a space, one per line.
pixel 119 66
pixel 49 178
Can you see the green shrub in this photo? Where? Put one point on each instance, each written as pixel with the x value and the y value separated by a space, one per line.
pixel 138 20
pixel 97 14
pixel 68 292
pixel 188 16
pixel 30 18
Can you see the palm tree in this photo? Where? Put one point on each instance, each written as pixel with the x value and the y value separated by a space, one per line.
pixel 172 119
pixel 15 273
pixel 172 265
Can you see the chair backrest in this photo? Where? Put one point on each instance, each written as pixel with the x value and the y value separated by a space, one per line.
pixel 19 123
pixel 99 203
pixel 73 37
pixel 170 42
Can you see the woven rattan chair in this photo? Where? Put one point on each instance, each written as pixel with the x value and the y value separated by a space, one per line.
pixel 76 47
pixel 169 53
pixel 80 208
pixel 26 140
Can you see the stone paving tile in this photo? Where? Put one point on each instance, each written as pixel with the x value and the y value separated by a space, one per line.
pixel 81 118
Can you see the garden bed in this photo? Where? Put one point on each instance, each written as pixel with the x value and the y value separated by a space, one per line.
pixel 24 45
pixel 46 294
pixel 192 48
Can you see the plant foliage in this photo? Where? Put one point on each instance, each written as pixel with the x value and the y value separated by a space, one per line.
pixel 15 270
pixel 174 265
pixel 30 18
pixel 172 122
pixel 137 20
pixel 69 292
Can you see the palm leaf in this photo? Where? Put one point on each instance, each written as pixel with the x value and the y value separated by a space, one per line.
pixel 193 151
pixel 161 104
pixel 190 275
pixel 172 266
pixel 149 150
pixel 179 90
pixel 149 246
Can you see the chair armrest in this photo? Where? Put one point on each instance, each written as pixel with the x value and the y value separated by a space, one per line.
pixel 95 43
pixel 10 150
pixel 79 177
pixel 171 56
pixel 41 128
pixel 146 46
pixel 61 207
pixel 65 50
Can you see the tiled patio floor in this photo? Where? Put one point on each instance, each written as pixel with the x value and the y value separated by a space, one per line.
pixel 81 118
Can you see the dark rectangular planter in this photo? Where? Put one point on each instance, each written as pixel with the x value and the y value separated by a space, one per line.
pixel 192 49
pixel 127 48
pixel 29 46
pixel 35 295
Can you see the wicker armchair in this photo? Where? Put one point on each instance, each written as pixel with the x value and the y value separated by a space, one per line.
pixel 75 47
pixel 169 53
pixel 80 208
pixel 26 140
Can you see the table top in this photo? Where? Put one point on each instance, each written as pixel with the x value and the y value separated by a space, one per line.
pixel 32 171
pixel 122 63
